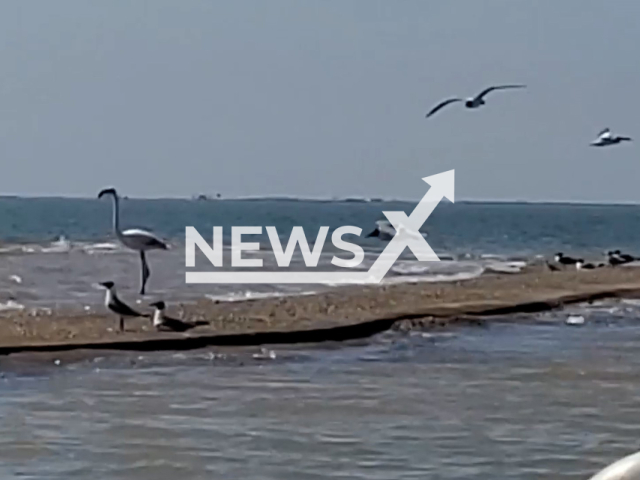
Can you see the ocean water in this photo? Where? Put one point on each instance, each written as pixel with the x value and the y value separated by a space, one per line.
pixel 517 399
pixel 54 251
pixel 525 398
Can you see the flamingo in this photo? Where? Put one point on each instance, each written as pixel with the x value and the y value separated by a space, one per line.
pixel 472 102
pixel 134 238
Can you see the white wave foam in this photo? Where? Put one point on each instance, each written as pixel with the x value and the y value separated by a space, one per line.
pixel 506 267
pixel 11 305
pixel 251 295
pixel 439 277
pixel 102 247
pixel 574 320
pixel 631 301
pixel 410 268
pixel 442 276
pixel 62 245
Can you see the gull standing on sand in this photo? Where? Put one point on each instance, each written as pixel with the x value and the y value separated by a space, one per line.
pixel 624 256
pixel 580 265
pixel 117 306
pixel 552 268
pixel 134 238
pixel 618 258
pixel 606 138
pixel 564 260
pixel 162 322
pixel 472 102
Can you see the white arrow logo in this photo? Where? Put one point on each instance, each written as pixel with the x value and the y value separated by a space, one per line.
pixel 407 228
pixel 407 235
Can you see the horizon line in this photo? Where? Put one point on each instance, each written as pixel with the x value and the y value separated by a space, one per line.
pixel 346 199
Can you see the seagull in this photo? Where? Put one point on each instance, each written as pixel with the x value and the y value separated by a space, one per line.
pixel 164 323
pixel 472 102
pixel 606 138
pixel 580 265
pixel 385 231
pixel 625 256
pixel 561 258
pixel 117 306
pixel 617 258
pixel 134 238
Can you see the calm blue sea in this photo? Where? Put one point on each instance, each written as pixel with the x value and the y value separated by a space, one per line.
pixel 53 250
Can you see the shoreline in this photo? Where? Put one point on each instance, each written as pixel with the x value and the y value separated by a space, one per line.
pixel 338 315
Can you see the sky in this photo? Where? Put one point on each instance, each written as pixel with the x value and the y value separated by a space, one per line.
pixel 165 98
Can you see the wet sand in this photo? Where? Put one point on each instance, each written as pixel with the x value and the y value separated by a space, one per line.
pixel 341 314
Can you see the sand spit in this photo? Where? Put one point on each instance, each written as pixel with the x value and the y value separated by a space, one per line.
pixel 341 314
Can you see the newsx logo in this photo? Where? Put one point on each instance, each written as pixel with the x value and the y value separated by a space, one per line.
pixel 407 236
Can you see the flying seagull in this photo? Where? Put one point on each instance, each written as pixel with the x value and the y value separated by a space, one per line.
pixel 134 238
pixel 472 102
pixel 606 138
pixel 164 323
pixel 117 306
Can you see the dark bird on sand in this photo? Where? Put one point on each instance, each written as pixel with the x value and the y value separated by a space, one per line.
pixel 624 256
pixel 552 267
pixel 162 322
pixel 117 306
pixel 618 258
pixel 564 260
pixel 580 265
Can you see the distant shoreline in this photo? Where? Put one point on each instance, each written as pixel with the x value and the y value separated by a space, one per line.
pixel 337 315
pixel 349 200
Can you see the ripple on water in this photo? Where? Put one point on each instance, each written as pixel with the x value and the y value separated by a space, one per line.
pixel 523 400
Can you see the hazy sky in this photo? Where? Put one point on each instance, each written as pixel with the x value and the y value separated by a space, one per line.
pixel 318 98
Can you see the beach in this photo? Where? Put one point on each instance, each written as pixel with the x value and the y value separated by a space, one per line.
pixel 340 314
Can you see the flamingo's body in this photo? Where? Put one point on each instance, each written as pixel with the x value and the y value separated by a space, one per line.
pixel 134 238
